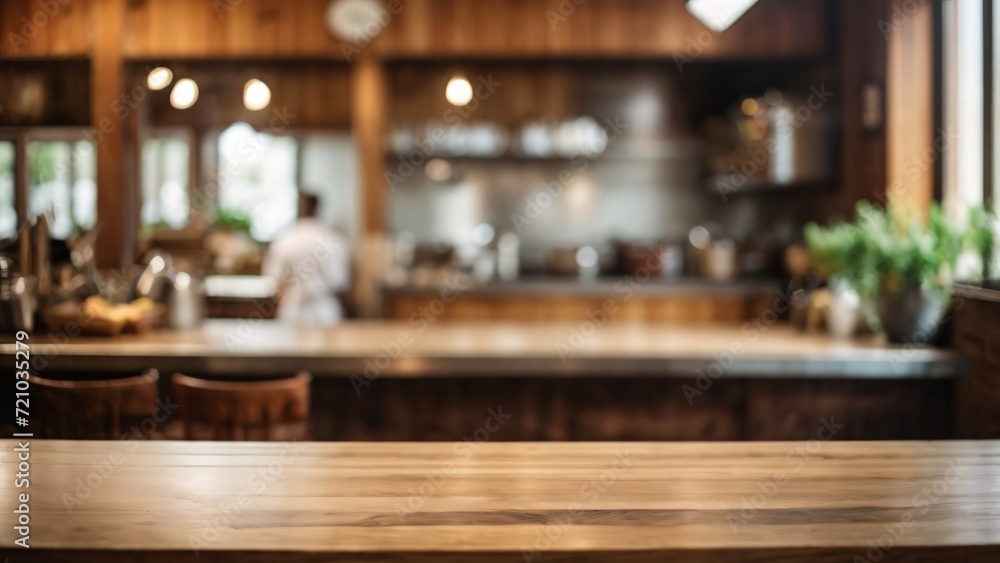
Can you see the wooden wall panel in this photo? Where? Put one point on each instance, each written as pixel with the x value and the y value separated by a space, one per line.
pixel 910 106
pixel 45 28
pixel 115 204
pixel 315 95
pixel 474 28
pixel 631 28
pixel 228 28
pixel 862 58
pixel 977 397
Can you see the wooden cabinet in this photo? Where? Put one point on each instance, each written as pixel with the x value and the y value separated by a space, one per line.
pixel 977 334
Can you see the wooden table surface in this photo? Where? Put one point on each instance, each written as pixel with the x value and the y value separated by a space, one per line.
pixel 471 501
pixel 491 349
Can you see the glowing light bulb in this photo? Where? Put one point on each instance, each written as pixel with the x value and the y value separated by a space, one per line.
pixel 184 94
pixel 459 91
pixel 256 95
pixel 159 78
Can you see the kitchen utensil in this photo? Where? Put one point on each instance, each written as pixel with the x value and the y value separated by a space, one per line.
pixel 508 256
pixel 18 299
pixel 583 261
pixel 720 260
pixel 658 260
pixel 156 279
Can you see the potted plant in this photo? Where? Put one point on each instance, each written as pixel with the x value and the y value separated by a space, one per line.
pixel 907 264
pixel 841 252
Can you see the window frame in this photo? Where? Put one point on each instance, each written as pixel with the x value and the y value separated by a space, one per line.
pixel 71 135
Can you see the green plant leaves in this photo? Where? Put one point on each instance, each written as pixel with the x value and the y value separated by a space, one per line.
pixel 886 250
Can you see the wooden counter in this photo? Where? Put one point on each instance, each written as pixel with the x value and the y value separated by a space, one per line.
pixel 821 500
pixel 494 349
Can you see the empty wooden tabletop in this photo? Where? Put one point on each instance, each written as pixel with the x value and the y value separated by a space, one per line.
pixel 476 500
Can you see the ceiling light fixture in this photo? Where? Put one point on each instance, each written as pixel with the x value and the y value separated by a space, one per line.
pixel 256 95
pixel 159 78
pixel 718 15
pixel 459 91
pixel 184 94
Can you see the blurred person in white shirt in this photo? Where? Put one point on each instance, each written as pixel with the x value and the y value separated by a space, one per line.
pixel 311 263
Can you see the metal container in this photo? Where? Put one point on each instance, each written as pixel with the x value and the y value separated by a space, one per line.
pixel 186 302
pixel 582 261
pixel 18 299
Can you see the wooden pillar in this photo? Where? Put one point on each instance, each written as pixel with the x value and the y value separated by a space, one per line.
pixel 115 204
pixel 910 91
pixel 369 107
pixel 862 60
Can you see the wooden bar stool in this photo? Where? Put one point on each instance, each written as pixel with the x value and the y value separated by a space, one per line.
pixel 94 409
pixel 239 410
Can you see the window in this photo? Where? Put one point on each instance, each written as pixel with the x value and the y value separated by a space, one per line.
pixel 257 181
pixel 166 176
pixel 963 104
pixel 61 181
pixel 8 213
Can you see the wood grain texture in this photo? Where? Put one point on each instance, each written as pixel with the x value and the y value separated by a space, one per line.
pixel 93 409
pixel 977 397
pixel 910 88
pixel 46 28
pixel 116 210
pixel 862 58
pixel 242 410
pixel 496 501
pixel 472 28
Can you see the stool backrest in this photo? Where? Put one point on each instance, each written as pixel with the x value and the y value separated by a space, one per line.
pixel 241 410
pixel 93 409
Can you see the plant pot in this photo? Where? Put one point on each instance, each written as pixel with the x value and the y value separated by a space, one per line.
pixel 911 316
pixel 844 309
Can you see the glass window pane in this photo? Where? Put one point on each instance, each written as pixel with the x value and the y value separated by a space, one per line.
pixel 62 182
pixel 257 180
pixel 165 177
pixel 8 213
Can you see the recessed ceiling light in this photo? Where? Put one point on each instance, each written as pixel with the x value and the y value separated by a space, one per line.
pixel 184 94
pixel 159 78
pixel 718 15
pixel 256 95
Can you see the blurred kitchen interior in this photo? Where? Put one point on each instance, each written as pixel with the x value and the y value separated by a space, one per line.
pixel 546 161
